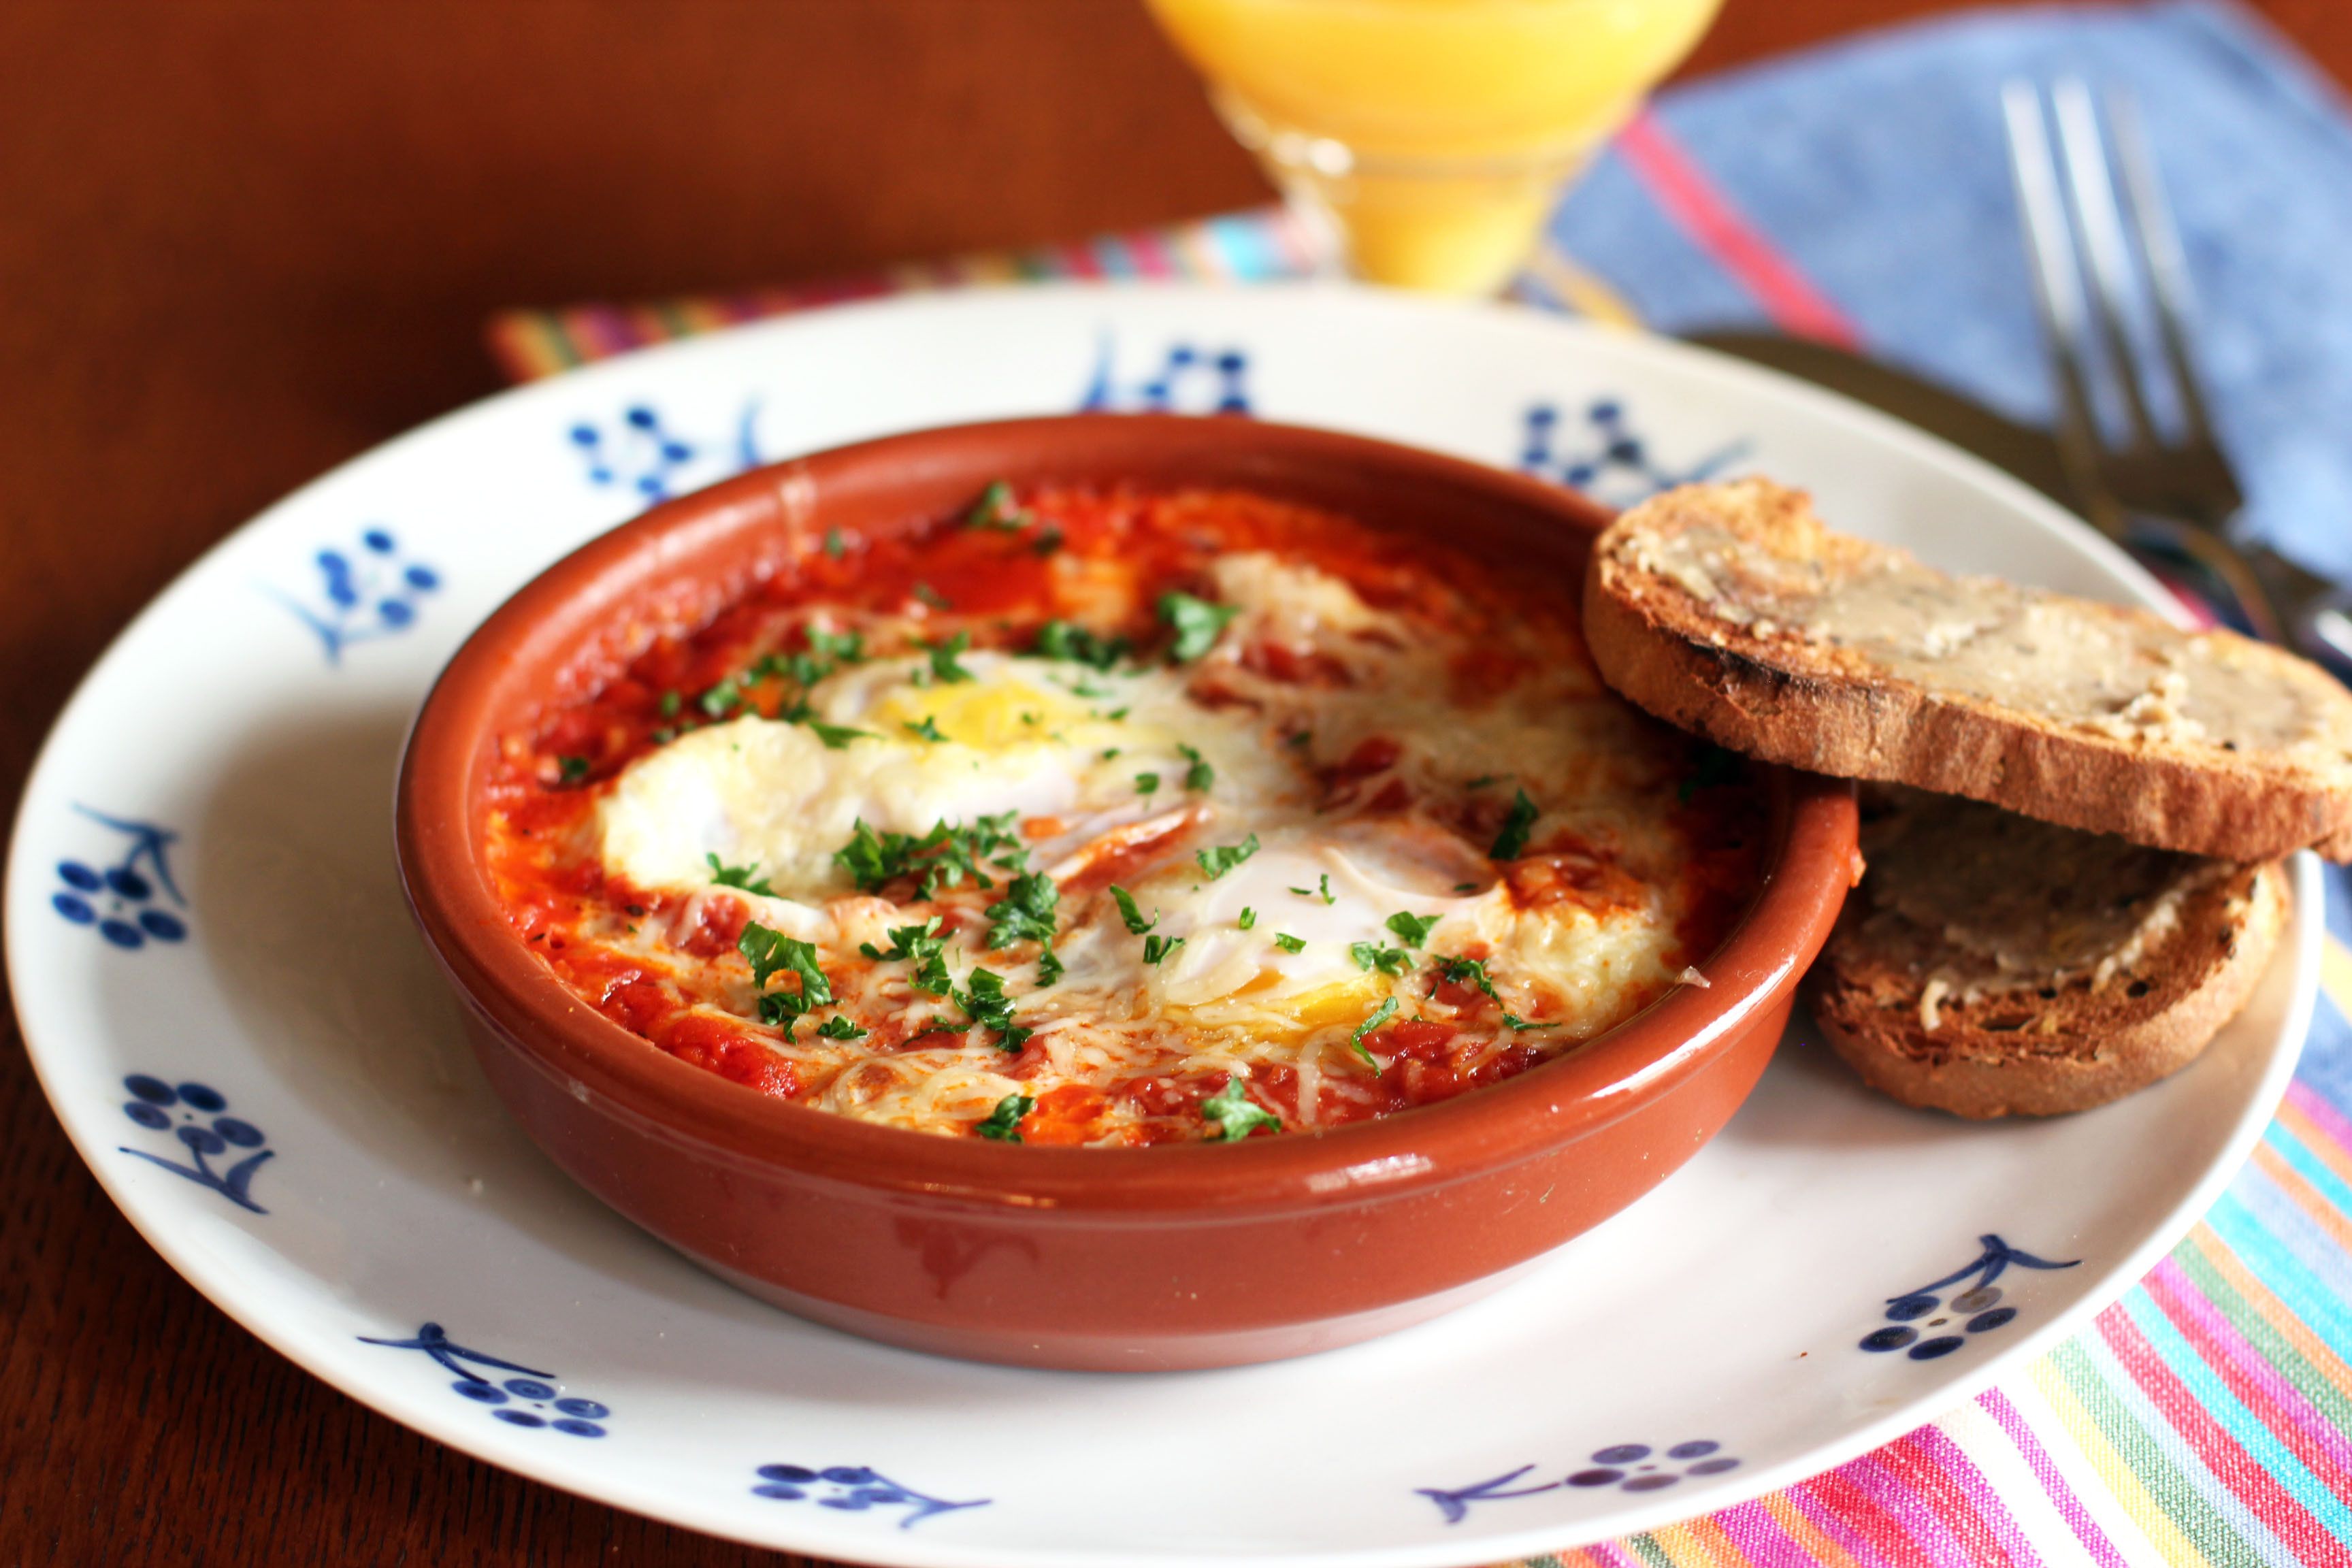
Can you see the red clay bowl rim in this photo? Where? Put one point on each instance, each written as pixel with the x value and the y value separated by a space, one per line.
pixel 1809 868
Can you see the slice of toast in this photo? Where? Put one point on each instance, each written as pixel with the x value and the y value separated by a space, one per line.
pixel 1991 965
pixel 1731 610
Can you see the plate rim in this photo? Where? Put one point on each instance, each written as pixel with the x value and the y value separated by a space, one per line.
pixel 1749 380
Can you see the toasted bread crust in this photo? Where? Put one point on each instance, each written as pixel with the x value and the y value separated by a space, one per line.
pixel 1818 705
pixel 2024 1053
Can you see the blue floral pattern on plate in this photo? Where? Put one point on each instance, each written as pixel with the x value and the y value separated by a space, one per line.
pixel 119 901
pixel 853 1489
pixel 1628 1467
pixel 1608 459
pixel 526 1400
pixel 1188 379
pixel 644 454
pixel 362 593
pixel 162 1107
pixel 1979 1306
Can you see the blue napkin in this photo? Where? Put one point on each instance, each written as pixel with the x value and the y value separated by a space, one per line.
pixel 1878 166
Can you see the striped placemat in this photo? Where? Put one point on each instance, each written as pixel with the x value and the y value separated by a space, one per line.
pixel 2205 1418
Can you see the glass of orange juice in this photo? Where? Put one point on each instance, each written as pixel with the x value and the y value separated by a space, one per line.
pixel 1432 137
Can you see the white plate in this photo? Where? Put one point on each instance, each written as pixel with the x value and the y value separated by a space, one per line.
pixel 225 776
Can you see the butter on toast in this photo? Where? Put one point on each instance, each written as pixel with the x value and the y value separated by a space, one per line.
pixel 1731 610
pixel 1991 965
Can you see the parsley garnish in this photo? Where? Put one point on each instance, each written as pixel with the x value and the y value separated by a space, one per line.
pixel 1218 860
pixel 1049 540
pixel 1066 639
pixel 1136 924
pixel 1289 944
pixel 1248 918
pixel 1026 913
pixel 738 877
pixel 1147 783
pixel 1370 956
pixel 1414 928
pixel 1512 841
pixel 1231 1110
pixel 1483 779
pixel 1003 1123
pixel 721 699
pixel 1197 622
pixel 942 858
pixel 997 511
pixel 1300 738
pixel 1380 1015
pixel 944 668
pixel 841 648
pixel 834 545
pixel 1200 776
pixel 1156 948
pixel 1326 895
pixel 1473 971
pixel 1050 967
pixel 836 737
pixel 988 1006
pixel 928 729
pixel 922 943
pixel 770 951
pixel 571 770
pixel 839 1027
pixel 669 704
pixel 930 596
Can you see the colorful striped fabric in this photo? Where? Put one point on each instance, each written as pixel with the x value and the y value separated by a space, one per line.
pixel 2206 1419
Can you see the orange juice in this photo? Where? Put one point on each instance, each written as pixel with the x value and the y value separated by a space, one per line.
pixel 1435 133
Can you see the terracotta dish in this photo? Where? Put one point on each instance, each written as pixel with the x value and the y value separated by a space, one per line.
pixel 1146 1258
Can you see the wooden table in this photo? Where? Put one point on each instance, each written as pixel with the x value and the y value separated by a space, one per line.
pixel 244 242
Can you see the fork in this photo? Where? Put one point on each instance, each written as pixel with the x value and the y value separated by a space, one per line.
pixel 2177 484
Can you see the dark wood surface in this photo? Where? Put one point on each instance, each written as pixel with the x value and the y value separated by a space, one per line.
pixel 242 242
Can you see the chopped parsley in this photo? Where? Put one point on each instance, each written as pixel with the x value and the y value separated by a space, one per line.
pixel 1003 1123
pixel 670 703
pixel 997 511
pixel 1326 895
pixel 1512 842
pixel 1236 1118
pixel 738 877
pixel 722 699
pixel 836 737
pixel 1414 928
pixel 1026 913
pixel 1156 948
pixel 928 729
pixel 1483 779
pixel 1473 972
pixel 944 668
pixel 1067 639
pixel 1050 967
pixel 1248 918
pixel 771 953
pixel 1147 783
pixel 942 858
pixel 840 647
pixel 987 1005
pixel 922 943
pixel 1136 924
pixel 1300 738
pixel 1378 1015
pixel 571 770
pixel 839 1027
pixel 834 545
pixel 1197 623
pixel 930 596
pixel 1220 858
pixel 1289 944
pixel 1200 776
pixel 1370 956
